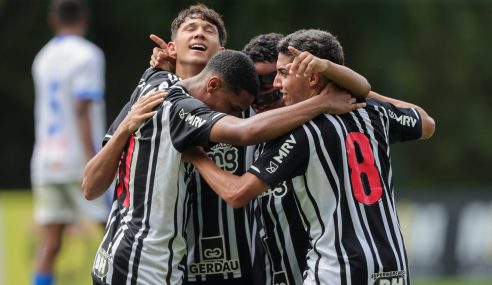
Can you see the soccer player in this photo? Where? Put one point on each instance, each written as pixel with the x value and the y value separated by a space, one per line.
pixel 225 225
pixel 338 169
pixel 68 75
pixel 145 238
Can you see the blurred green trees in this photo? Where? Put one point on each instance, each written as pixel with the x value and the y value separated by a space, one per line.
pixel 434 53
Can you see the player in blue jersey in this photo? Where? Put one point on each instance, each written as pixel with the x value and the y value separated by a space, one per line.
pixel 70 122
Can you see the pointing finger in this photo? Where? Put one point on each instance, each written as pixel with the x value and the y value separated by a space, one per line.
pixel 160 42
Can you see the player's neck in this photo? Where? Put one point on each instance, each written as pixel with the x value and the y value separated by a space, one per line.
pixel 188 70
pixel 70 30
pixel 195 86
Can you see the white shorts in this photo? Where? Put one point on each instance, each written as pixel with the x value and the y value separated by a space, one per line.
pixel 65 204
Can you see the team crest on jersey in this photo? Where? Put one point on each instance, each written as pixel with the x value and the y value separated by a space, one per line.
pixel 101 263
pixel 213 258
pixel 225 156
pixel 280 278
pixel 389 278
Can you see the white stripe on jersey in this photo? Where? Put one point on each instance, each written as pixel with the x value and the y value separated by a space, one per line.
pixel 324 231
pixel 145 218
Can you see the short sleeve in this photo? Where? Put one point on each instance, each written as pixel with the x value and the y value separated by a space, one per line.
pixel 190 121
pixel 89 82
pixel 283 158
pixel 404 124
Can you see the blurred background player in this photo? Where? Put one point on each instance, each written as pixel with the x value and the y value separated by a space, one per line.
pixel 68 75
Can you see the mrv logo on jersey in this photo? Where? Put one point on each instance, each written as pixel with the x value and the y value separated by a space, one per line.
pixel 213 258
pixel 389 278
pixel 404 120
pixel 193 120
pixel 282 153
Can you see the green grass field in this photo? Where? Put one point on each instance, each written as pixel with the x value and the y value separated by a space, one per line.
pixel 18 244
pixel 18 240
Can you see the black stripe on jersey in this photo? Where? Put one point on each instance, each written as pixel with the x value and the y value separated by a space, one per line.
pixel 227 243
pixel 297 232
pixel 326 170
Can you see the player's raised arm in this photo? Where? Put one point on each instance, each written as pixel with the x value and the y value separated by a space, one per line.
pixel 271 124
pixel 304 64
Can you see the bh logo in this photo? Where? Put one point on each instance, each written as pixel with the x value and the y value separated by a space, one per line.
pixel 212 248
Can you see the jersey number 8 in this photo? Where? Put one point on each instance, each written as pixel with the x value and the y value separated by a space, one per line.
pixel 364 176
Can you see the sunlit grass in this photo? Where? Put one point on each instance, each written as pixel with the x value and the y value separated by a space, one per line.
pixel 18 244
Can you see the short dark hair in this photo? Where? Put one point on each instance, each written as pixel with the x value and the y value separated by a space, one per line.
pixel 319 43
pixel 263 48
pixel 236 70
pixel 200 11
pixel 68 12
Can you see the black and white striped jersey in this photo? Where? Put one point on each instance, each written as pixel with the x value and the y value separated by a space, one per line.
pixel 218 235
pixel 145 240
pixel 278 223
pixel 338 172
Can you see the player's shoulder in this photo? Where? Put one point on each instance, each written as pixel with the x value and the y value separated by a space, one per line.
pixel 84 48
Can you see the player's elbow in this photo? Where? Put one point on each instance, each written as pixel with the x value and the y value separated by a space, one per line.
pixel 89 192
pixel 236 199
pixel 428 128
pixel 236 202
pixel 363 91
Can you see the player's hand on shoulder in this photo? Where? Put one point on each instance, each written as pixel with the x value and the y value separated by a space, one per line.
pixel 142 110
pixel 338 101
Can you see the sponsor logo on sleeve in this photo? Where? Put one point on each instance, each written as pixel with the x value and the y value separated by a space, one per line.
pixel 193 120
pixel 283 152
pixel 404 120
pixel 278 192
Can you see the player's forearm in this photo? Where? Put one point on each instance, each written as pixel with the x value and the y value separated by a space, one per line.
pixel 268 125
pixel 428 123
pixel 100 171
pixel 346 78
pixel 223 183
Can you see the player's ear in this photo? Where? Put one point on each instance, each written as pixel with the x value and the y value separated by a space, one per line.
pixel 213 84
pixel 171 49
pixel 314 79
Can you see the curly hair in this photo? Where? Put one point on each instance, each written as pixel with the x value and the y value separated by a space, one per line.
pixel 318 42
pixel 200 11
pixel 263 48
